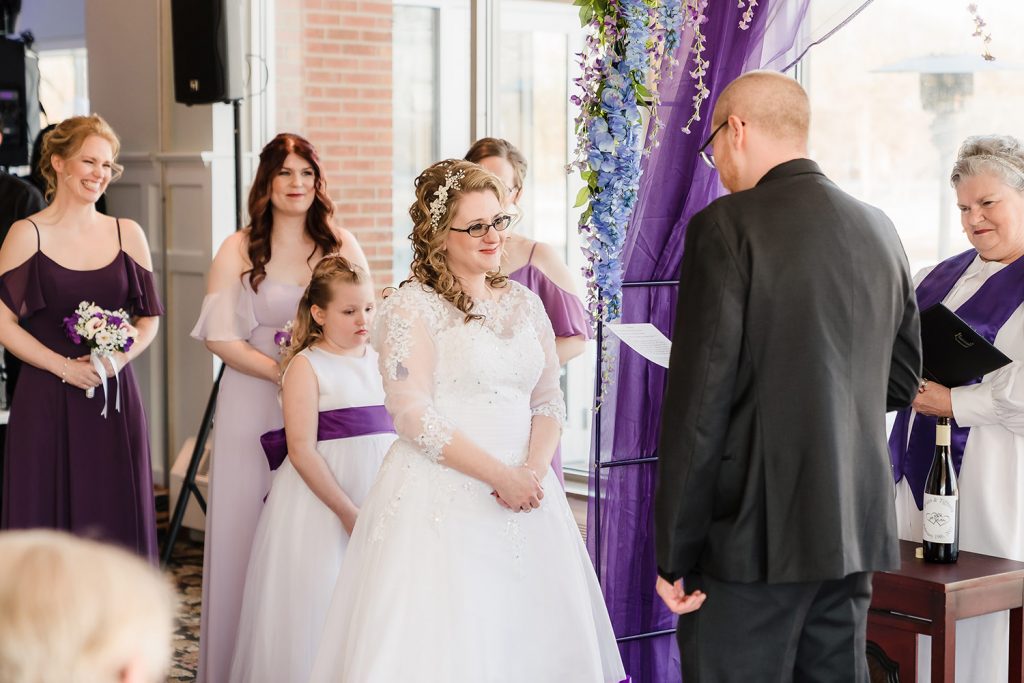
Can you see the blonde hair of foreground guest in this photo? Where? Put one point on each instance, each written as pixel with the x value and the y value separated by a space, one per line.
pixel 67 139
pixel 429 258
pixel 328 270
pixel 78 611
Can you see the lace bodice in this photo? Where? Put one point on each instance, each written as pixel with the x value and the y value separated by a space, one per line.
pixel 438 369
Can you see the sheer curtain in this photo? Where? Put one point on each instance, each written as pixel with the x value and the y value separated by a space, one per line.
pixel 675 185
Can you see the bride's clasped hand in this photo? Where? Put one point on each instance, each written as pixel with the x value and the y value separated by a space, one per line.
pixel 520 490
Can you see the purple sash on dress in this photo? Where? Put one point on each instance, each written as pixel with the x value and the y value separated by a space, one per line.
pixel 986 312
pixel 341 423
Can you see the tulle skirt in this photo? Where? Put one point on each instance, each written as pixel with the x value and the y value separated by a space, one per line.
pixel 293 568
pixel 442 584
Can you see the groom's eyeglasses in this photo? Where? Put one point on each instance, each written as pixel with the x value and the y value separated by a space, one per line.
pixel 480 229
pixel 709 157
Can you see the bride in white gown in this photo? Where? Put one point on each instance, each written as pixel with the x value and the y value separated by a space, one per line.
pixel 447 578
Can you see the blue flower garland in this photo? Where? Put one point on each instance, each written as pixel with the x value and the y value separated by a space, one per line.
pixel 626 44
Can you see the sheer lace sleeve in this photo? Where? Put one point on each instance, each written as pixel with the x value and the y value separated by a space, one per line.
pixel 227 315
pixel 404 339
pixel 546 398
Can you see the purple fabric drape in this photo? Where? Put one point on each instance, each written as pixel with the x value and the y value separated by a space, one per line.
pixel 675 185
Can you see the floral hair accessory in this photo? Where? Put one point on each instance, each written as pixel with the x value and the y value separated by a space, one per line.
pixel 439 206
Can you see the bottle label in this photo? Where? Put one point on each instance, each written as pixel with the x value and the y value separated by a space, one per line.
pixel 942 435
pixel 940 518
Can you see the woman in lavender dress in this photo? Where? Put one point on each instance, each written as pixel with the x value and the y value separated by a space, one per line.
pixel 67 466
pixel 250 298
pixel 535 264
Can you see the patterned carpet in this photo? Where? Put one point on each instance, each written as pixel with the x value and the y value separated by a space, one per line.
pixel 186 569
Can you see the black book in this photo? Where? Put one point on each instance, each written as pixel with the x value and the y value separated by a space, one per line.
pixel 954 354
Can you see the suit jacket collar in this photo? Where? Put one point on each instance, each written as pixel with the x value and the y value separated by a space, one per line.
pixel 791 168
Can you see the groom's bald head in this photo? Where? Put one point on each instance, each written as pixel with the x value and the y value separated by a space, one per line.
pixel 773 102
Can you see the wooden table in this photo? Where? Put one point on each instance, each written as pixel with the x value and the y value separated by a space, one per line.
pixel 929 599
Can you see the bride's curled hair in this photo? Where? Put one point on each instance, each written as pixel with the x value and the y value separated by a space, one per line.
pixel 306 331
pixel 429 234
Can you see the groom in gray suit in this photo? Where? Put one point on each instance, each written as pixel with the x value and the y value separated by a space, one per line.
pixel 796 329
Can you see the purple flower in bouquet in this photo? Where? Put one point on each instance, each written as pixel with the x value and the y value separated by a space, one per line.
pixel 69 329
pixel 283 337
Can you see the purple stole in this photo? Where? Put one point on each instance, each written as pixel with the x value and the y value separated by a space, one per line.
pixel 341 423
pixel 986 312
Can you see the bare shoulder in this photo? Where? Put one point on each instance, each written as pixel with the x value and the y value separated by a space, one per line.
pixel 517 252
pixel 21 242
pixel 344 235
pixel 134 242
pixel 234 251
pixel 299 371
pixel 300 379
pixel 350 247
pixel 230 261
pixel 550 262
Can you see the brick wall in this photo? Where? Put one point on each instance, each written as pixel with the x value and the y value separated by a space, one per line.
pixel 334 87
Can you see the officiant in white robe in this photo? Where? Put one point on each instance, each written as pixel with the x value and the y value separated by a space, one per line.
pixel 986 287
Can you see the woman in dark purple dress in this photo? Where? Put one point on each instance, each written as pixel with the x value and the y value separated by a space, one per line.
pixel 67 466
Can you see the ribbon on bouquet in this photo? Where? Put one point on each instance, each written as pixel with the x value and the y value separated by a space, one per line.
pixel 96 358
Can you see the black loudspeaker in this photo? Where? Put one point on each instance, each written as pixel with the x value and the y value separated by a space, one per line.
pixel 9 11
pixel 207 44
pixel 19 101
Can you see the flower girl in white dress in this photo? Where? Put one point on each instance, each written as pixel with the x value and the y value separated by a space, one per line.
pixel 336 435
pixel 447 578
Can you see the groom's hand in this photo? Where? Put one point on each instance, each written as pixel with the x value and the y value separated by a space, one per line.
pixel 676 599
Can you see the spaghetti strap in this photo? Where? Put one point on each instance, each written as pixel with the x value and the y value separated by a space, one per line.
pixel 118 221
pixel 532 249
pixel 39 243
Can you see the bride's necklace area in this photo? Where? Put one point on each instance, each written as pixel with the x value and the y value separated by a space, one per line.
pixel 485 295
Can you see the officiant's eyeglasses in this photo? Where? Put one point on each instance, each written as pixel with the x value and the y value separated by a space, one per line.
pixel 500 224
pixel 709 157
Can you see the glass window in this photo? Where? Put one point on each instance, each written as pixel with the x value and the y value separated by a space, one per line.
pixel 535 64
pixel 895 92
pixel 415 115
pixel 63 84
pixel 431 89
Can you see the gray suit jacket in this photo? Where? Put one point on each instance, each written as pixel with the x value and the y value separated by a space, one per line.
pixel 796 329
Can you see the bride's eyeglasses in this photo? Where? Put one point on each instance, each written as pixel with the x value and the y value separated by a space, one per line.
pixel 500 224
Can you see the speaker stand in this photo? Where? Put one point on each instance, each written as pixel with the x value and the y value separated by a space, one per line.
pixel 188 485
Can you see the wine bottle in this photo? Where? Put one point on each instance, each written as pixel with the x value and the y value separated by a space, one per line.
pixel 941 502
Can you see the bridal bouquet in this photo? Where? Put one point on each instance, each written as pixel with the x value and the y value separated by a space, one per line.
pixel 105 333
